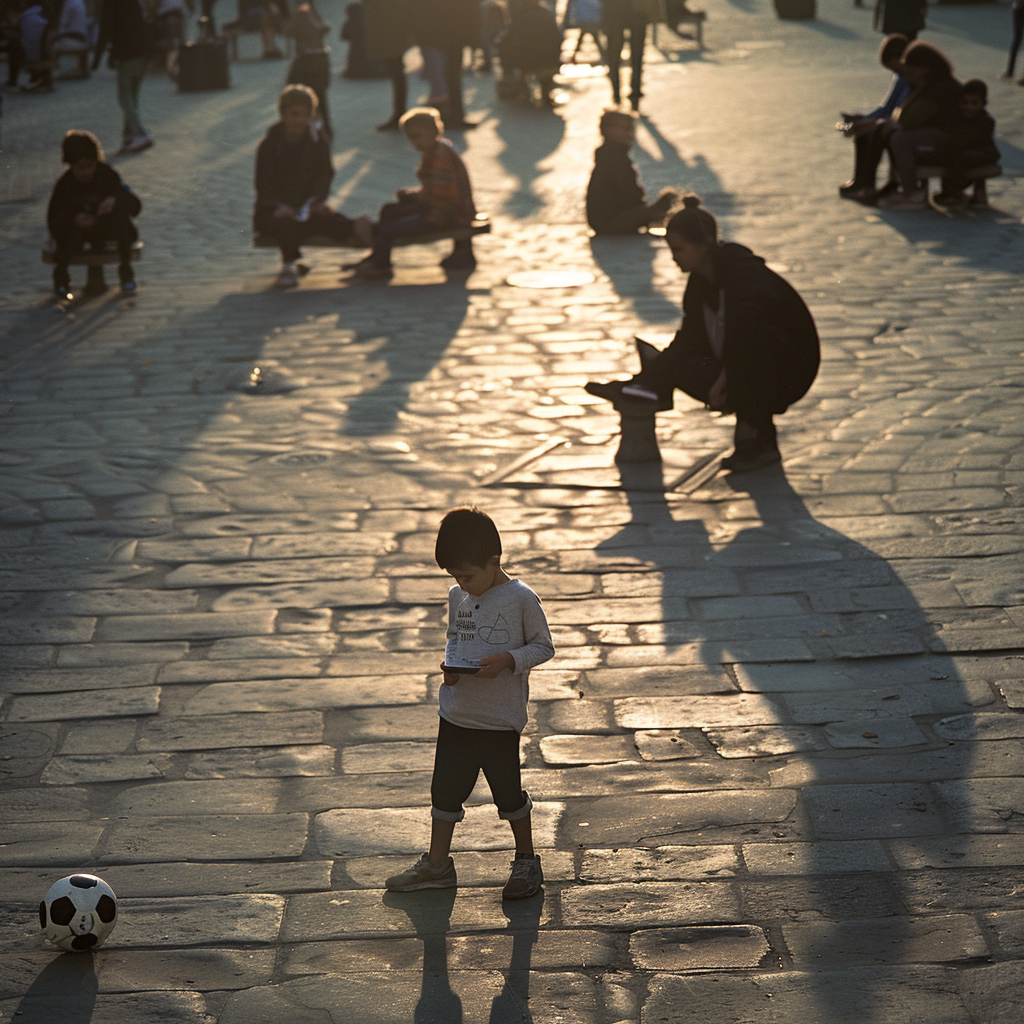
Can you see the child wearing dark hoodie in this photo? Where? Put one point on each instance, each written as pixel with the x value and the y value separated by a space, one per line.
pixel 293 176
pixel 616 201
pixel 89 206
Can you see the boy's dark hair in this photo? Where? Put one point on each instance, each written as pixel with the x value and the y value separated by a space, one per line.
pixel 693 223
pixel 466 536
pixel 613 116
pixel 297 96
pixel 79 144
pixel 892 48
pixel 977 87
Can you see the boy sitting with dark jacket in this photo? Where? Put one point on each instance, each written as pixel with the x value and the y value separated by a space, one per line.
pixel 293 175
pixel 616 201
pixel 973 144
pixel 89 206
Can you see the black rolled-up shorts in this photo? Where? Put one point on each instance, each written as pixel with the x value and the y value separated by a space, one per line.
pixel 461 754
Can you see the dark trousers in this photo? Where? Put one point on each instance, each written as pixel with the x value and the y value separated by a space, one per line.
pixel 74 240
pixel 314 70
pixel 399 86
pixel 290 234
pixel 868 150
pixel 461 755
pixel 397 220
pixel 615 34
pixel 455 114
pixel 1018 35
pixel 694 368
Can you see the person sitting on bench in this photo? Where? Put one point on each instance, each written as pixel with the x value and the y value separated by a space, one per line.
pixel 89 206
pixel 443 200
pixel 973 144
pixel 747 345
pixel 293 176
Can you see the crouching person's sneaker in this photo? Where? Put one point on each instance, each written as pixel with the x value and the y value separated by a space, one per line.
pixel 423 875
pixel 525 880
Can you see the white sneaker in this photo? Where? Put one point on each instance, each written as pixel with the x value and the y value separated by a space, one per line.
pixel 288 278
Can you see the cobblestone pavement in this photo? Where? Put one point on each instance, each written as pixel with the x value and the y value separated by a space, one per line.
pixel 777 759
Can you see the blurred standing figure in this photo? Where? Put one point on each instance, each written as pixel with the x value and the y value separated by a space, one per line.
pixel 493 22
pixel 448 27
pixel 72 36
pixel 132 41
pixel 1018 35
pixel 903 16
pixel 170 30
pixel 617 18
pixel 586 16
pixel 312 63
pixel 388 36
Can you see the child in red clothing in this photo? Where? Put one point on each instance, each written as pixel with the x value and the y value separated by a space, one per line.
pixel 443 200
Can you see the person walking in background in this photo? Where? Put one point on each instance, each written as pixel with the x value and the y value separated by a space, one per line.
pixel 389 33
pixel 619 18
pixel 131 38
pixel 584 15
pixel 312 63
pixel 72 36
pixel 1015 41
pixel 904 16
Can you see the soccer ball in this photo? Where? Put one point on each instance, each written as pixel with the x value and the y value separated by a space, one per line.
pixel 78 912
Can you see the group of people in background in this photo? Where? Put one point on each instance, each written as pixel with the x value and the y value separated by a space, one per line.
pixel 927 116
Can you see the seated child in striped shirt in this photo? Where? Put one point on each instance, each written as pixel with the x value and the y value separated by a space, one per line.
pixel 443 200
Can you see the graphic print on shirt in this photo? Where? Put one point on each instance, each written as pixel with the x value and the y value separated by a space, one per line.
pixel 494 635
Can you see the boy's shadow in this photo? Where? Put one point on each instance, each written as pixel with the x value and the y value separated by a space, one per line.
pixel 430 912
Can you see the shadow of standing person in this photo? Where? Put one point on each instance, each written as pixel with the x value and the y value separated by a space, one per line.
pixel 430 912
pixel 512 1004
pixel 64 992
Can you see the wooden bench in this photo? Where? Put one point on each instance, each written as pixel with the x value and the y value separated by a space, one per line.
pixel 480 226
pixel 100 257
pixel 926 171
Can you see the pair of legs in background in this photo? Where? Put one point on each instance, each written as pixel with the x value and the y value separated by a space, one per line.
pixel 615 35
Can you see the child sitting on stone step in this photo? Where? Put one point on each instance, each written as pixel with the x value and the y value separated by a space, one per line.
pixel 89 206
pixel 616 201
pixel 293 176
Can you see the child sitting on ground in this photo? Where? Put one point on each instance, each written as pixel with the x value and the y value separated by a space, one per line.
pixel 497 632
pixel 293 175
pixel 444 199
pixel 973 144
pixel 89 206
pixel 616 201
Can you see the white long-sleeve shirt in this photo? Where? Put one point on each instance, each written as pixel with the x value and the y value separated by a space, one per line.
pixel 508 619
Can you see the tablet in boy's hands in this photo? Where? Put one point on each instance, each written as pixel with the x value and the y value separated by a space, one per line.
pixel 461 670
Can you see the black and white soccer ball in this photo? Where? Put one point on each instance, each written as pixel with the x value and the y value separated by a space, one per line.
pixel 78 912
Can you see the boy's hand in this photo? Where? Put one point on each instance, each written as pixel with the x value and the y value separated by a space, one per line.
pixel 494 664
pixel 286 211
pixel 85 220
pixel 105 207
pixel 449 678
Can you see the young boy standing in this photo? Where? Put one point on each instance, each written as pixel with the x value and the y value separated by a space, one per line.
pixel 293 176
pixel 497 632
pixel 443 200
pixel 616 201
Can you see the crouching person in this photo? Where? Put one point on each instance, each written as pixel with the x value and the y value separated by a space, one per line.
pixel 90 205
